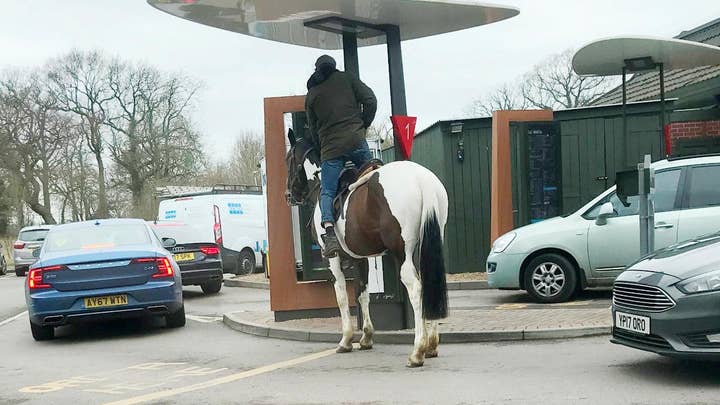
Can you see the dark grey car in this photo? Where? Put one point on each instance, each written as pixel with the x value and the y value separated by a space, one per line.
pixel 669 302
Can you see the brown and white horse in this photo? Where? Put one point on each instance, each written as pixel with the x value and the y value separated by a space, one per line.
pixel 400 209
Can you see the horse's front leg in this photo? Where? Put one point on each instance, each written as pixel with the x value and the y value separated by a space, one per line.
pixel 341 295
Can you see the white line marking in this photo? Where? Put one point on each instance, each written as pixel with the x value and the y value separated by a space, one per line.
pixel 7 321
pixel 204 319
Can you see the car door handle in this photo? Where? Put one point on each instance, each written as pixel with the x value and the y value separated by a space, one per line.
pixel 663 225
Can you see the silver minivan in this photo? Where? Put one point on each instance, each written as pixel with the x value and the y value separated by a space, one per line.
pixel 30 239
pixel 555 258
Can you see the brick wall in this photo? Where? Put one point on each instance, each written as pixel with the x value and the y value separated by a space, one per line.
pixel 694 129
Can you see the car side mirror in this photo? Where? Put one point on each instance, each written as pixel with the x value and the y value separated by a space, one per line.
pixel 606 211
pixel 169 243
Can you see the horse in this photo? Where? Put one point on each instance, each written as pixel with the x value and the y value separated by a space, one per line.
pixel 399 209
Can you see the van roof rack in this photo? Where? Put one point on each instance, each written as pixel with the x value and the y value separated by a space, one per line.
pixel 167 192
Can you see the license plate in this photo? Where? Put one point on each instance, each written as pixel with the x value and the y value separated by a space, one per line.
pixel 109 301
pixel 184 257
pixel 633 323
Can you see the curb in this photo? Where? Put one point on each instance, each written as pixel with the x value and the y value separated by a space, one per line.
pixel 403 337
pixel 468 285
pixel 454 285
pixel 246 284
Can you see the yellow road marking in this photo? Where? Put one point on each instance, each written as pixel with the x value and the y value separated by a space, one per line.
pixel 223 380
pixel 572 304
pixel 511 306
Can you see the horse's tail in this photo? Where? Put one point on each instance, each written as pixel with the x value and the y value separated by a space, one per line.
pixel 432 262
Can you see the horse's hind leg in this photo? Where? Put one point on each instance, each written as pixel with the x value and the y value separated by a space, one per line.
pixel 410 278
pixel 433 340
pixel 366 342
pixel 345 344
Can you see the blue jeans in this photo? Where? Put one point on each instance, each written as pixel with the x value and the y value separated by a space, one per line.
pixel 331 170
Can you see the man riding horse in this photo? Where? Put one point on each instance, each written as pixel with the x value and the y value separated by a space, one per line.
pixel 339 109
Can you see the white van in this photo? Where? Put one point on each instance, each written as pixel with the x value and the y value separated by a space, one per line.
pixel 231 216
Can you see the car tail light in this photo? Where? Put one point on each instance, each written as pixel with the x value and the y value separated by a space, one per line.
pixel 210 250
pixel 35 277
pixel 18 245
pixel 163 265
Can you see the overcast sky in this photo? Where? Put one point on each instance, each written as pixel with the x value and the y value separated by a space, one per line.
pixel 443 74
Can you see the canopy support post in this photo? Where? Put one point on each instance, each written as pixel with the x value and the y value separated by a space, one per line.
pixel 397 78
pixel 350 53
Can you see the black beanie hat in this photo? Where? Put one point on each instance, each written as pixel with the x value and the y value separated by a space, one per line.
pixel 325 60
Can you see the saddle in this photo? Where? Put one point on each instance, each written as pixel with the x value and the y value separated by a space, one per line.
pixel 349 176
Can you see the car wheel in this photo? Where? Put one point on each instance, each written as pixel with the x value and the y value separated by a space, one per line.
pixel 550 278
pixel 3 266
pixel 41 333
pixel 20 271
pixel 245 263
pixel 212 287
pixel 176 319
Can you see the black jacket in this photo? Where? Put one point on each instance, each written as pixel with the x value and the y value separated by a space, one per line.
pixel 339 108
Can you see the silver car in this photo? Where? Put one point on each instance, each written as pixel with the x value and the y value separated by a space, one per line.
pixel 30 239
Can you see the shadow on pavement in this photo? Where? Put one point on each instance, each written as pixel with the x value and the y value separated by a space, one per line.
pixel 110 330
pixel 668 371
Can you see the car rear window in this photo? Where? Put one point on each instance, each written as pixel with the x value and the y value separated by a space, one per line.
pixel 96 237
pixel 34 235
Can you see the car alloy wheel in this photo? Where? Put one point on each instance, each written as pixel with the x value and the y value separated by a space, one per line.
pixel 548 279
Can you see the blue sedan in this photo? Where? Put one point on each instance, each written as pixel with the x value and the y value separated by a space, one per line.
pixel 103 269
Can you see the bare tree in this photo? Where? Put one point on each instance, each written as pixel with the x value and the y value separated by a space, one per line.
pixel 151 136
pixel 552 84
pixel 383 131
pixel 76 186
pixel 247 151
pixel 79 83
pixel 32 133
pixel 506 97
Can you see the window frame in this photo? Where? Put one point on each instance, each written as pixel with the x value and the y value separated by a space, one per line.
pixel 685 202
pixel 680 194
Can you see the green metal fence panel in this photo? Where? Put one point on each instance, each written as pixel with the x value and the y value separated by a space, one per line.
pixel 594 147
pixel 467 234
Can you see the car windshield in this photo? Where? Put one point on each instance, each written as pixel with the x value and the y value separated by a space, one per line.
pixel 96 237
pixel 34 235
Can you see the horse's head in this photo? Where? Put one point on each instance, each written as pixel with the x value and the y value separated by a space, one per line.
pixel 297 180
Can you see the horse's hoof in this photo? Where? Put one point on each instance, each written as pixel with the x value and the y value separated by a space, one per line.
pixel 343 349
pixel 415 364
pixel 366 347
pixel 431 354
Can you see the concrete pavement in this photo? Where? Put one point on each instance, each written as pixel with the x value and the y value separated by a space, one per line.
pixel 136 362
pixel 260 282
pixel 475 316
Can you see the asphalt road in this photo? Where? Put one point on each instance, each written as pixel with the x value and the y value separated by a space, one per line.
pixel 207 363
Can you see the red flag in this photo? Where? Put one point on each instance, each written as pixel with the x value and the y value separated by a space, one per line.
pixel 404 129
